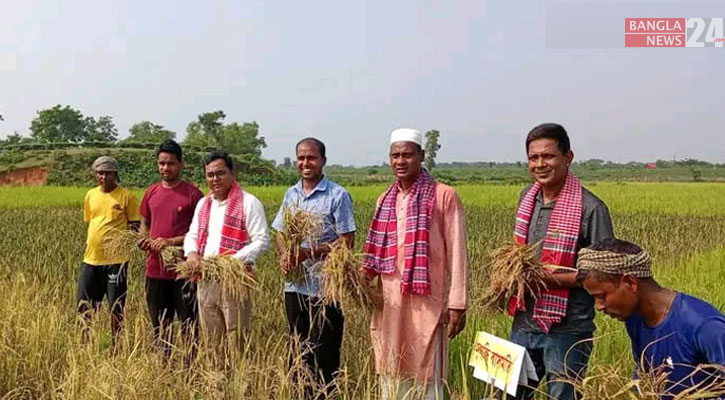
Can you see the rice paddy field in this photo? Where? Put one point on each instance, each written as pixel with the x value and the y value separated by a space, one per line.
pixel 42 240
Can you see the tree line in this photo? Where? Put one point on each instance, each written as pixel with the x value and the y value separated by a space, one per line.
pixel 66 125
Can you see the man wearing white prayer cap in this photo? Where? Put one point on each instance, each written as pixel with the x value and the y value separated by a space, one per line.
pixel 416 247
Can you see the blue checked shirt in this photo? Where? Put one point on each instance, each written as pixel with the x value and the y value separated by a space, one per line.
pixel 334 204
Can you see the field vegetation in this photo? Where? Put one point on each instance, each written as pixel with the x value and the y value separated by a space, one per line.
pixel 43 235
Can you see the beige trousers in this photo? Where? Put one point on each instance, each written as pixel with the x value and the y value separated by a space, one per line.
pixel 221 316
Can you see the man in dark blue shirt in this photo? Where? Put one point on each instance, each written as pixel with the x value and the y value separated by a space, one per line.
pixel 671 332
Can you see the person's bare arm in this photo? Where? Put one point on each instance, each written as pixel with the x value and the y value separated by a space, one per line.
pixel 324 249
pixel 456 322
pixel 560 278
pixel 349 239
pixel 159 244
pixel 193 262
pixel 144 243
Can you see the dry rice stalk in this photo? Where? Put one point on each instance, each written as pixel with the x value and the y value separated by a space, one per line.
pixel 609 382
pixel 300 226
pixel 513 271
pixel 227 270
pixel 121 243
pixel 343 282
pixel 172 255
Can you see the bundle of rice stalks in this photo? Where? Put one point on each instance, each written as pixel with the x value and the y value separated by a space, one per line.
pixel 343 282
pixel 226 270
pixel 122 243
pixel 513 271
pixel 296 274
pixel 172 255
pixel 300 226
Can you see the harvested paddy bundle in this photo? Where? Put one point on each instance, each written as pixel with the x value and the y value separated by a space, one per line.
pixel 342 281
pixel 172 255
pixel 513 271
pixel 226 270
pixel 300 226
pixel 122 243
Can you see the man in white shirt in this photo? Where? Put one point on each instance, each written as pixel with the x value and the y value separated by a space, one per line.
pixel 227 221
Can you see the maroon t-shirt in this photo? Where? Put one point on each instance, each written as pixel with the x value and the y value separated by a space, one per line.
pixel 170 211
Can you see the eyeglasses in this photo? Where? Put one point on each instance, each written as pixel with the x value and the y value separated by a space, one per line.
pixel 216 174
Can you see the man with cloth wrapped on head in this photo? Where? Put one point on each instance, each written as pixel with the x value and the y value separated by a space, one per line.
pixel 107 208
pixel 671 332
pixel 416 247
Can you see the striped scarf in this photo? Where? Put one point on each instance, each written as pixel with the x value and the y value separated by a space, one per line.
pixel 559 247
pixel 234 230
pixel 381 246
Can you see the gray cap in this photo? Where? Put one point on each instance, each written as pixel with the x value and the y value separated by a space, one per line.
pixel 105 163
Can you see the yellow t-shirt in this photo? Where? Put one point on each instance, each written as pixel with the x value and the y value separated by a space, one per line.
pixel 104 212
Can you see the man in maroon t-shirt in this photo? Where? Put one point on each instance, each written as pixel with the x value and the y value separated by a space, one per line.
pixel 167 209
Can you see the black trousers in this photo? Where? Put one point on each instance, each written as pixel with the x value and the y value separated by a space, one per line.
pixel 166 298
pixel 98 281
pixel 323 335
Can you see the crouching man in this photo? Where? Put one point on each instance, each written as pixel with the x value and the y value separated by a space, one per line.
pixel 671 332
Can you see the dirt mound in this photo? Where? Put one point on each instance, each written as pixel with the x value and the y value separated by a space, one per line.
pixel 24 176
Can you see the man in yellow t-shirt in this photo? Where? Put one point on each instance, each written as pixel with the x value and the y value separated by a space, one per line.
pixel 106 208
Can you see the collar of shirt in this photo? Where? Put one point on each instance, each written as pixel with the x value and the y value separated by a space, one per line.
pixel 320 187
pixel 540 200
pixel 216 202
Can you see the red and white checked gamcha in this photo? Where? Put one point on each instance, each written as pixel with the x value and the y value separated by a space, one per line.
pixel 381 246
pixel 559 247
pixel 234 230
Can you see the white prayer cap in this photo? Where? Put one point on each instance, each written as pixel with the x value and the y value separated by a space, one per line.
pixel 406 135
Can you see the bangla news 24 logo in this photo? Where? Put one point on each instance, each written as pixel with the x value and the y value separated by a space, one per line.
pixel 673 32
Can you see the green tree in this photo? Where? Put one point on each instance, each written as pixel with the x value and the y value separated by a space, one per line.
pixel 100 130
pixel 209 131
pixel 287 163
pixel 431 148
pixel 58 124
pixel 67 125
pixel 15 138
pixel 206 130
pixel 242 139
pixel 148 132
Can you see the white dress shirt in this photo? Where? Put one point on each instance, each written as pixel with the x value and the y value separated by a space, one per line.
pixel 256 224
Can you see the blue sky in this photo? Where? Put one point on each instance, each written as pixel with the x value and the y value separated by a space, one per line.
pixel 350 72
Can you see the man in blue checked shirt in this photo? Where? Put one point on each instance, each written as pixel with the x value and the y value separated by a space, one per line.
pixel 314 192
